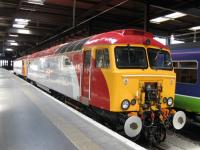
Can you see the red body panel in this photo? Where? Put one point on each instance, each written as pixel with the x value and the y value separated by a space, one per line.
pixel 99 94
pixel 99 89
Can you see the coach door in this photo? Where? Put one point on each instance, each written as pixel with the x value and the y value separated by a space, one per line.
pixel 86 78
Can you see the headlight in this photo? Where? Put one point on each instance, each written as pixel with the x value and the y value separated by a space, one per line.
pixel 170 101
pixel 125 104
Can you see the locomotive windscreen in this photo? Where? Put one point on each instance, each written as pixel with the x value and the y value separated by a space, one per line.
pixel 159 59
pixel 130 57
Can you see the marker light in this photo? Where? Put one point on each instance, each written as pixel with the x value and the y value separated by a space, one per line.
pixel 133 101
pixel 165 99
pixel 148 42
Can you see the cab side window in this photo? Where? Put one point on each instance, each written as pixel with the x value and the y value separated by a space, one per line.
pixel 102 58
pixel 99 58
pixel 87 56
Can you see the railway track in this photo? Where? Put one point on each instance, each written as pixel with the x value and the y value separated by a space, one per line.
pixel 180 141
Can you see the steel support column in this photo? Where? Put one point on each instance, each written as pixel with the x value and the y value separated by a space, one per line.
pixel 146 17
pixel 74 14
pixel 168 40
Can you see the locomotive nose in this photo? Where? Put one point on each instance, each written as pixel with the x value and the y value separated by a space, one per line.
pixel 179 120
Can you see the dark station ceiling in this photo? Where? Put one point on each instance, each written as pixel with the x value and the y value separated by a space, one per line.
pixel 58 21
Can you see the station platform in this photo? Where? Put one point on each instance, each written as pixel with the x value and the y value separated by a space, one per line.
pixel 30 119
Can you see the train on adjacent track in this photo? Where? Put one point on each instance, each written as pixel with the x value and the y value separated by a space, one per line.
pixel 125 76
pixel 186 58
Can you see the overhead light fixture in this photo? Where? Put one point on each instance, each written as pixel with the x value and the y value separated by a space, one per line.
pixel 159 20
pixel 14 44
pixel 171 16
pixel 13 35
pixel 194 28
pixel 11 41
pixel 21 21
pixel 23 31
pixel 9 49
pixel 28 9
pixel 19 25
pixel 175 15
pixel 36 2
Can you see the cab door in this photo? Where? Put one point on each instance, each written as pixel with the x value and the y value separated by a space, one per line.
pixel 24 68
pixel 86 77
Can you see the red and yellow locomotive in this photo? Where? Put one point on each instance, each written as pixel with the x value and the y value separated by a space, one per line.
pixel 124 75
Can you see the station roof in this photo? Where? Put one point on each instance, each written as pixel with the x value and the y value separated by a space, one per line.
pixel 125 36
pixel 33 25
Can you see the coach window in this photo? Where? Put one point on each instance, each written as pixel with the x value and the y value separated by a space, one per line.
pixel 102 58
pixel 175 65
pixel 186 71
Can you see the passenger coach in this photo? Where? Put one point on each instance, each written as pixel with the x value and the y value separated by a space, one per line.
pixel 186 58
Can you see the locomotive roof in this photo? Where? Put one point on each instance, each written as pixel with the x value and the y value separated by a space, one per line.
pixel 46 52
pixel 125 36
